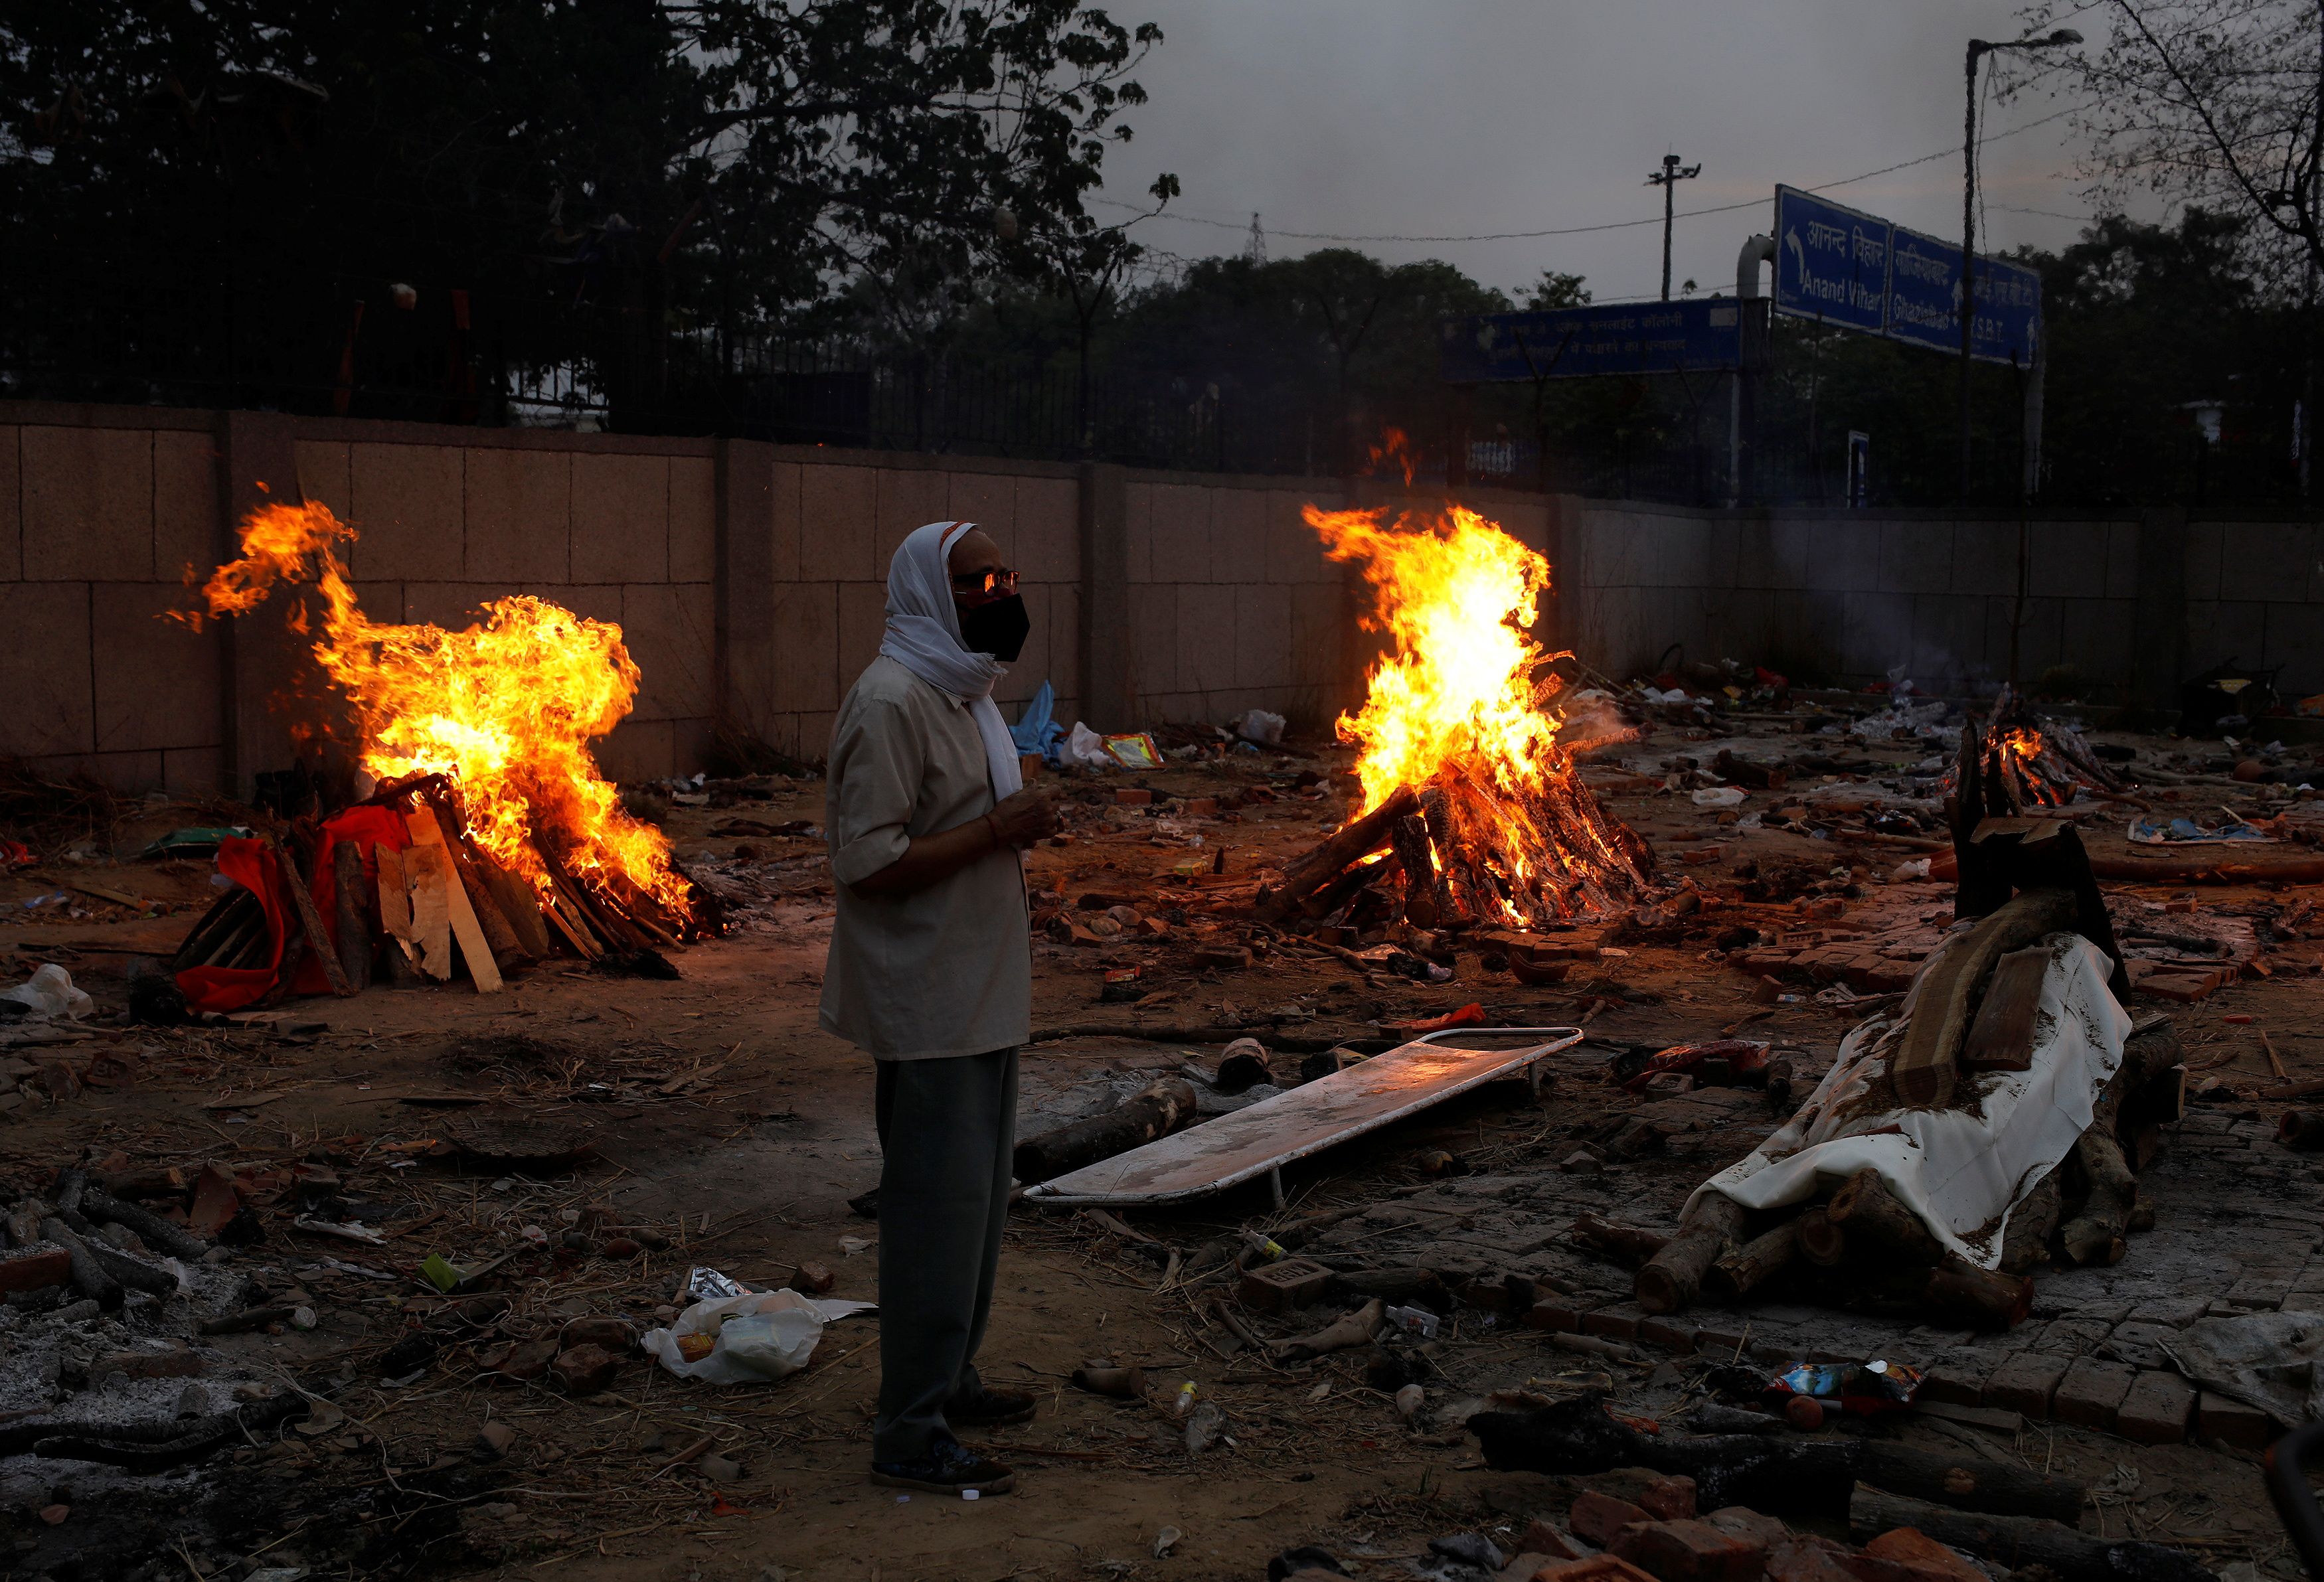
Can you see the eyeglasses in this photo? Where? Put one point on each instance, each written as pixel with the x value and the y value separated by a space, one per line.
pixel 985 584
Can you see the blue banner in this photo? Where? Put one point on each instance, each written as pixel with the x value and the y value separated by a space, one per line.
pixel 1924 301
pixel 1831 263
pixel 1579 342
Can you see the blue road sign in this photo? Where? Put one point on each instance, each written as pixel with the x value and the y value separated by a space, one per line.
pixel 1832 263
pixel 1924 299
pixel 1576 343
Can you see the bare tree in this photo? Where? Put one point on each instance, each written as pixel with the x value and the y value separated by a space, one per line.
pixel 2217 103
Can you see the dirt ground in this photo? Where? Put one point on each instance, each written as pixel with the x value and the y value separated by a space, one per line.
pixel 722 1123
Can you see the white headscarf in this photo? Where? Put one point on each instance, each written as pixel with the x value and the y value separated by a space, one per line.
pixel 923 637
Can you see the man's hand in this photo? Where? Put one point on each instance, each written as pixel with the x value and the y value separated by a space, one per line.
pixel 1025 817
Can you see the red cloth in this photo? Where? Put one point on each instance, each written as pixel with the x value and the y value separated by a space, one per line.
pixel 369 828
pixel 252 864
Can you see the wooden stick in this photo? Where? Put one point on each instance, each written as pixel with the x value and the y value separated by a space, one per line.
pixel 518 903
pixel 465 929
pixel 1673 1277
pixel 2274 1060
pixel 2020 1542
pixel 311 917
pixel 1757 1261
pixel 1867 1211
pixel 1625 1244
pixel 353 906
pixel 1360 837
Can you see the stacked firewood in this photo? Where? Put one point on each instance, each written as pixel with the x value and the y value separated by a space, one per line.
pixel 439 906
pixel 1468 854
pixel 2025 762
pixel 1973 1007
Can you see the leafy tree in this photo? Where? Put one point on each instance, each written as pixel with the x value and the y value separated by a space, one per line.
pixel 212 185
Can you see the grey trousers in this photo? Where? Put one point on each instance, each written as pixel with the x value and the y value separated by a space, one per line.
pixel 947 1128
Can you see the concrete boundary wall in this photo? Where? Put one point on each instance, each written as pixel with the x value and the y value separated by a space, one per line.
pixel 747 579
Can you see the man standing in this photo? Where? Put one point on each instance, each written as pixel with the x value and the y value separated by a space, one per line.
pixel 931 971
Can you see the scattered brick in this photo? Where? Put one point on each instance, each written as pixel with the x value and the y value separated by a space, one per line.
pixel 1557 1315
pixel 1690 1551
pixel 2091 1392
pixel 585 1369
pixel 1619 1322
pixel 1752 1526
pixel 1596 1518
pixel 2026 1383
pixel 1549 1541
pixel 1596 1568
pixel 2245 1427
pixel 1909 1546
pixel 36 1270
pixel 180 1363
pixel 2156 1410
pixel 1799 1559
pixel 1200 807
pixel 1132 796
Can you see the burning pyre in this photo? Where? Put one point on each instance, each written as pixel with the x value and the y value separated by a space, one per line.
pixel 1464 773
pixel 2029 763
pixel 490 727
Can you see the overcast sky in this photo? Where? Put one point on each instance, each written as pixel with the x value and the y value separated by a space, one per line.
pixel 1372 117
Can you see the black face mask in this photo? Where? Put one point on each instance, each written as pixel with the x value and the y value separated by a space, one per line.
pixel 998 628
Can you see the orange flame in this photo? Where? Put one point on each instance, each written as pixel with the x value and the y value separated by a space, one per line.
pixel 505 709
pixel 1456 707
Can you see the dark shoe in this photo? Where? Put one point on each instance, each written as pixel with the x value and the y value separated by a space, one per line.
pixel 990 1409
pixel 866 1204
pixel 947 1469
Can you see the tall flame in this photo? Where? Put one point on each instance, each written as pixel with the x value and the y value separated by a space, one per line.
pixel 505 709
pixel 1455 709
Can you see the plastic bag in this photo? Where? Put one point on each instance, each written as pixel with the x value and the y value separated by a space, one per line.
pixel 1085 748
pixel 50 993
pixel 1260 725
pixel 762 1335
pixel 1718 797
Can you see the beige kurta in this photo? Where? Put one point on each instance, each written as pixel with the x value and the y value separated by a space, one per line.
pixel 947 969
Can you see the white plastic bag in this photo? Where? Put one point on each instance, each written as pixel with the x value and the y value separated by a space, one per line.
pixel 1260 725
pixel 1718 797
pixel 1085 748
pixel 761 1335
pixel 50 993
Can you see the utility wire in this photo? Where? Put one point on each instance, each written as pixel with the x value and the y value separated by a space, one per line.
pixel 1686 214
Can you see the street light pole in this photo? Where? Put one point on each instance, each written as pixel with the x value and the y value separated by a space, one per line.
pixel 1977 49
pixel 1667 178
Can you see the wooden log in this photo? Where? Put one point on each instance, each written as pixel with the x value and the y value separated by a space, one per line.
pixel 1980 1298
pixel 508 951
pixel 2095 1235
pixel 229 945
pixel 1672 1278
pixel 90 1277
pixel 1787 1474
pixel 1738 1273
pixel 607 927
pixel 1347 886
pixel 1820 1242
pixel 1160 1109
pixel 427 835
pixel 1409 836
pixel 353 906
pixel 1358 837
pixel 311 917
pixel 1625 1244
pixel 1936 1011
pixel 395 916
pixel 2001 1037
pixel 518 903
pixel 2025 1243
pixel 226 913
pixel 1870 1216
pixel 2017 1543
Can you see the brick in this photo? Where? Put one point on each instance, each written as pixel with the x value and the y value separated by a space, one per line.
pixel 1288 1284
pixel 1619 1322
pixel 1669 1332
pixel 179 1363
pixel 1960 1378
pixel 1690 1551
pixel 1596 1568
pixel 1558 1316
pixel 1662 1496
pixel 1132 796
pixel 1807 1559
pixel 1549 1541
pixel 2156 1410
pixel 2091 1392
pixel 36 1269
pixel 2245 1427
pixel 1909 1546
pixel 1743 1522
pixel 2025 1384
pixel 1596 1518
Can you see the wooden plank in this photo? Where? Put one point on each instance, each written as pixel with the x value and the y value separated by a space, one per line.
pixel 2001 1038
pixel 428 836
pixel 311 918
pixel 429 872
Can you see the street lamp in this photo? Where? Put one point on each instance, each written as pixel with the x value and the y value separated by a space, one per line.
pixel 1667 178
pixel 1977 49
